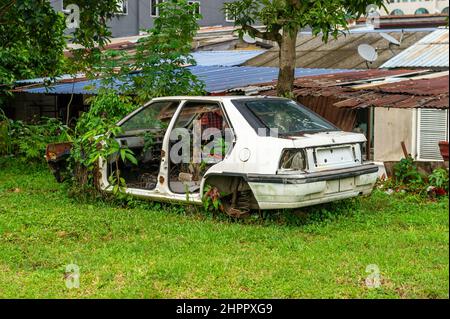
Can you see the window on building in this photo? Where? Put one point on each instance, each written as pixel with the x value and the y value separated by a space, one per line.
pixel 154 10
pixel 122 7
pixel 421 11
pixel 397 12
pixel 229 16
pixel 445 11
pixel 196 5
pixel 432 129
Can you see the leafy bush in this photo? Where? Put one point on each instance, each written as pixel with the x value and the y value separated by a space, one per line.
pixel 406 172
pixel 107 108
pixel 439 179
pixel 408 179
pixel 95 132
pixel 27 142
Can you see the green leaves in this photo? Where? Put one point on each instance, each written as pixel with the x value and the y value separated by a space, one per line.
pixel 322 16
pixel 439 178
pixel 127 154
pixel 162 57
pixel 27 142
pixel 283 19
pixel 31 40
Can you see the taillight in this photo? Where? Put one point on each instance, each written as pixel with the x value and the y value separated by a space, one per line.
pixel 293 159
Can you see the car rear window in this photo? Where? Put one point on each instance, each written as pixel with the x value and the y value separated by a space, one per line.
pixel 285 115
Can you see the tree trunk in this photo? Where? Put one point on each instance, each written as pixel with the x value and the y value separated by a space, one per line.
pixel 287 62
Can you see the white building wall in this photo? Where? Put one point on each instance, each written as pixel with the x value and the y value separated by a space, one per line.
pixel 410 7
pixel 420 129
pixel 391 127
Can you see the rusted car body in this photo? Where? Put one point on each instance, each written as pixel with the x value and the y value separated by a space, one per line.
pixel 276 154
pixel 56 155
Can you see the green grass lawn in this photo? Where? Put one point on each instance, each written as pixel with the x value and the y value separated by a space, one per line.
pixel 162 252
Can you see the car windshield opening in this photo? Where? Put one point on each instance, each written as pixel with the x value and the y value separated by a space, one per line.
pixel 288 117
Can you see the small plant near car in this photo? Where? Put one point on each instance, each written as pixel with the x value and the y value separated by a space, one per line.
pixel 408 179
pixel 406 172
pixel 96 133
pixel 438 180
pixel 212 199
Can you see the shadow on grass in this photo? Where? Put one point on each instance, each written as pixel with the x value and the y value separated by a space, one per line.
pixel 323 213
pixel 314 215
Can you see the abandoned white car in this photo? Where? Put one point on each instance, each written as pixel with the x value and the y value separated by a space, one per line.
pixel 256 152
pixel 247 152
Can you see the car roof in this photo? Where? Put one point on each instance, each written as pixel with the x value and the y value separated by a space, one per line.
pixel 212 98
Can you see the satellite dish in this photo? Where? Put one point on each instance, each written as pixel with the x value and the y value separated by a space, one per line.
pixel 390 38
pixel 368 52
pixel 248 39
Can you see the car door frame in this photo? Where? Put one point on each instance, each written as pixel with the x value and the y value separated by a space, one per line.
pixel 194 197
pixel 161 192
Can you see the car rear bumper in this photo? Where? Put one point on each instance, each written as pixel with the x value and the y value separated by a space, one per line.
pixel 294 191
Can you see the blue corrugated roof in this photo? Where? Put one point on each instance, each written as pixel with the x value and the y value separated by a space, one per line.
pixel 225 58
pixel 203 58
pixel 216 78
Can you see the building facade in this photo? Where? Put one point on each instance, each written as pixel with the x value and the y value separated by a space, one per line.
pixel 416 7
pixel 137 15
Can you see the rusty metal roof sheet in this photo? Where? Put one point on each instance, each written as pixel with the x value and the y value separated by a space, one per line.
pixel 429 52
pixel 400 92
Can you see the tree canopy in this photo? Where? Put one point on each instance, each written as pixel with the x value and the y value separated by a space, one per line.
pixel 33 38
pixel 283 19
pixel 163 55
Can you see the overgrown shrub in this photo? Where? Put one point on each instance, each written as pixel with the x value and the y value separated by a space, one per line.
pixel 408 179
pixel 95 133
pixel 439 179
pixel 406 172
pixel 27 142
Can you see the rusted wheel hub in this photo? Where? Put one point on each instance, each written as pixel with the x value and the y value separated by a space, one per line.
pixel 238 206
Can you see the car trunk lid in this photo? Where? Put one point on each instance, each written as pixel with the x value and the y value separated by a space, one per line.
pixel 331 150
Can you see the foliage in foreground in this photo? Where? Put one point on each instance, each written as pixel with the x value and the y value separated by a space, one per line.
pixel 96 133
pixel 27 142
pixel 161 61
pixel 158 251
pixel 407 178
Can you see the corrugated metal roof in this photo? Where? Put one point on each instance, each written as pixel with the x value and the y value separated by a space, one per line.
pixel 429 52
pixel 225 58
pixel 216 78
pixel 409 90
pixel 342 53
pixel 203 58
pixel 65 77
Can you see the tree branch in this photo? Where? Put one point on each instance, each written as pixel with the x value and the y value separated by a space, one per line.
pixel 294 3
pixel 273 35
pixel 4 9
